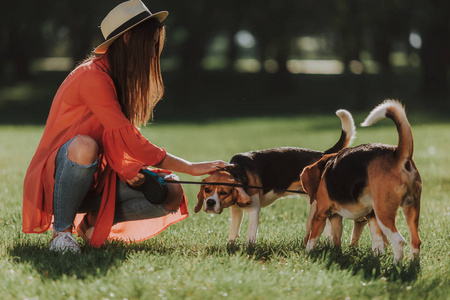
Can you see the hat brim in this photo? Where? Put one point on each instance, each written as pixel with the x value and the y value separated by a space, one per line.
pixel 160 16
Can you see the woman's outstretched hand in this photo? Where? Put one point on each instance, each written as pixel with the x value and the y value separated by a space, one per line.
pixel 177 164
pixel 202 168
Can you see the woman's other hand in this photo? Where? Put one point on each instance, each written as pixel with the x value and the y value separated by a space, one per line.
pixel 137 180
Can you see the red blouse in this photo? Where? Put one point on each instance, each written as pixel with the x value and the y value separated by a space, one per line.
pixel 86 104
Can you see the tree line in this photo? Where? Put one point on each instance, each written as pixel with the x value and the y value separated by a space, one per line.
pixel 33 29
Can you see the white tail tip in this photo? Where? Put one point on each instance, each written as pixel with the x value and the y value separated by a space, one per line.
pixel 379 112
pixel 348 124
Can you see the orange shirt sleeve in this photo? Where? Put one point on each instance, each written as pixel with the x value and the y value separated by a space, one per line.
pixel 126 150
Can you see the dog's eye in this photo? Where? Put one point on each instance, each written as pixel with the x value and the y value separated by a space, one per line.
pixel 223 193
pixel 207 190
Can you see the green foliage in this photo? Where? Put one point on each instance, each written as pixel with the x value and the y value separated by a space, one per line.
pixel 367 37
pixel 190 260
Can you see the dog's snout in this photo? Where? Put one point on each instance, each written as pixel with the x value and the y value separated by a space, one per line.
pixel 210 202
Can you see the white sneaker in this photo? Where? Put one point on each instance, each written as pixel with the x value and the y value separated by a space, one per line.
pixel 64 241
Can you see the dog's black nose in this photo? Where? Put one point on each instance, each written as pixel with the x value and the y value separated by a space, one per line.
pixel 210 202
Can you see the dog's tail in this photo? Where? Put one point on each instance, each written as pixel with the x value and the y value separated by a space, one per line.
pixel 395 111
pixel 348 131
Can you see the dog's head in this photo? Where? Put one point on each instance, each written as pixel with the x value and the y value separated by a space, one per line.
pixel 217 197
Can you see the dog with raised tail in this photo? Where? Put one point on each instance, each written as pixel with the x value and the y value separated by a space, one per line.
pixel 276 171
pixel 369 181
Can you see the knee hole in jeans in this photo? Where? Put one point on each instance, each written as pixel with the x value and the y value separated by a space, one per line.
pixel 83 150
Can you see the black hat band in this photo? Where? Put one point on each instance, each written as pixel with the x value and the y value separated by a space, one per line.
pixel 129 23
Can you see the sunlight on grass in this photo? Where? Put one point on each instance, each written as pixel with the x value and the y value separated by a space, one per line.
pixel 191 260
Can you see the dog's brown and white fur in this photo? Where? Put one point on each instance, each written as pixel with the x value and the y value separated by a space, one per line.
pixel 369 181
pixel 274 169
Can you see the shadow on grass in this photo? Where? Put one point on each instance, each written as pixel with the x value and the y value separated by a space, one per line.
pixel 258 252
pixel 357 260
pixel 53 265
pixel 97 262
pixel 261 251
pixel 362 261
pixel 92 261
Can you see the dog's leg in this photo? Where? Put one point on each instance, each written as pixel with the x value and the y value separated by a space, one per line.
pixel 328 231
pixel 412 219
pixel 253 218
pixel 358 227
pixel 385 239
pixel 236 221
pixel 312 211
pixel 335 224
pixel 318 223
pixel 386 221
pixel 376 234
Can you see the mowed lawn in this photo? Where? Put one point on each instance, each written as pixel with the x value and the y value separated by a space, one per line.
pixel 190 260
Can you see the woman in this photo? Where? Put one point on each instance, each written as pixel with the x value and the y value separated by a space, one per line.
pixel 91 151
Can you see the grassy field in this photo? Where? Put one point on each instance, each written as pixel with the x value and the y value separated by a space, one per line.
pixel 190 260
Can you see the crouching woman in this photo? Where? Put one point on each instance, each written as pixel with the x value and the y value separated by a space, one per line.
pixel 88 160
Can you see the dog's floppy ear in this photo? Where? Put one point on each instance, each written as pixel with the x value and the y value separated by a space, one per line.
pixel 200 198
pixel 311 176
pixel 242 198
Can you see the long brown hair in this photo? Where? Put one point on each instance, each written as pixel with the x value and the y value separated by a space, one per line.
pixel 135 73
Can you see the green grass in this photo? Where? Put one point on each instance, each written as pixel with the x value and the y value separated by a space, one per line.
pixel 190 260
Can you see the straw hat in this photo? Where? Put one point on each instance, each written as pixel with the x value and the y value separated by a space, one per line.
pixel 122 18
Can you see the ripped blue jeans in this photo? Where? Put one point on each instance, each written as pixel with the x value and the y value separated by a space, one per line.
pixel 72 183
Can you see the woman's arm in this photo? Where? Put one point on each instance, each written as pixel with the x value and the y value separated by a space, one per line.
pixel 176 164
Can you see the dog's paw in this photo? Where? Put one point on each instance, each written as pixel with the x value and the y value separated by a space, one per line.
pixel 231 242
pixel 377 251
pixel 415 254
pixel 378 248
pixel 311 244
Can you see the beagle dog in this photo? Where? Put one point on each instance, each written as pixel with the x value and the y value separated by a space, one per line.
pixel 370 181
pixel 274 170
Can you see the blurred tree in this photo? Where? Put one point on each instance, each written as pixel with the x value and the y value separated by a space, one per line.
pixel 433 21
pixel 389 23
pixel 271 24
pixel 350 22
pixel 277 24
pixel 230 17
pixel 21 38
pixel 33 29
pixel 196 20
pixel 83 18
